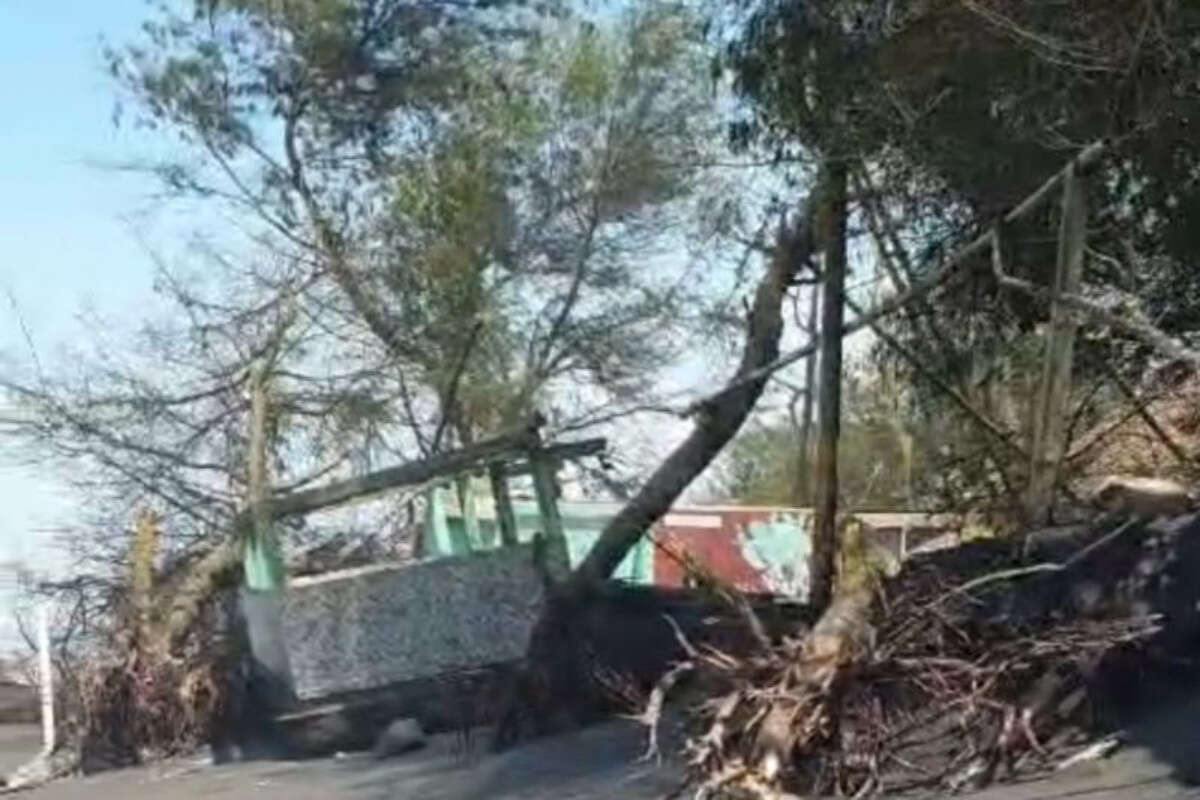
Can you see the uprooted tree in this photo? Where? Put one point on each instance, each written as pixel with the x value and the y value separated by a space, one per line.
pixel 443 247
pixel 971 665
pixel 792 55
pixel 413 292
pixel 428 254
pixel 808 715
pixel 557 675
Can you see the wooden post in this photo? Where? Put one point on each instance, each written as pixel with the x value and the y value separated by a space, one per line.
pixel 438 541
pixel 802 485
pixel 502 497
pixel 46 678
pixel 832 233
pixel 1054 394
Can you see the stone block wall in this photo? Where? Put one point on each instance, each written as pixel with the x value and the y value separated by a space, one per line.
pixel 372 627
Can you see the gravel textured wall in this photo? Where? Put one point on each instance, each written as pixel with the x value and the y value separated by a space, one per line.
pixel 374 626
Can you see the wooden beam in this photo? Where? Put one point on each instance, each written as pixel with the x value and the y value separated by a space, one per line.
pixel 443 464
pixel 556 452
pixel 1050 417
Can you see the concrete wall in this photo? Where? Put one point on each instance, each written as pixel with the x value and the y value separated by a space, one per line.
pixel 18 704
pixel 375 626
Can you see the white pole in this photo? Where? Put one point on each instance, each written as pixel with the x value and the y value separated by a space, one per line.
pixel 46 678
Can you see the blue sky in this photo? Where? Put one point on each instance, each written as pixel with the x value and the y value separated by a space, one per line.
pixel 65 238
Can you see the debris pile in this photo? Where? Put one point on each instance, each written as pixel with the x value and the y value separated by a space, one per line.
pixel 971 665
pixel 143 705
pixel 153 682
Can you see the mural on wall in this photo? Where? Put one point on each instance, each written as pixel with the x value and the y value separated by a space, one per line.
pixel 755 549
pixel 779 549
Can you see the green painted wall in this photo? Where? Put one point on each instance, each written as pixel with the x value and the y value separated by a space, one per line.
pixel 446 533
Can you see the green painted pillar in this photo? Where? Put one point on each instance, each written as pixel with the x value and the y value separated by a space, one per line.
pixel 441 537
pixel 437 529
pixel 470 514
pixel 262 563
pixel 262 596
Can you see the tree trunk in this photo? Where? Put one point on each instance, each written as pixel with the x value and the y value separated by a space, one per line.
pixel 194 587
pixel 556 681
pixel 832 237
pixel 719 420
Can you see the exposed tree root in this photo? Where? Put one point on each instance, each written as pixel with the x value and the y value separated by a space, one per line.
pixel 940 679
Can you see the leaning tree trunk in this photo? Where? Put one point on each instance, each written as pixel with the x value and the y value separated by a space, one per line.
pixel 832 233
pixel 717 422
pixel 555 680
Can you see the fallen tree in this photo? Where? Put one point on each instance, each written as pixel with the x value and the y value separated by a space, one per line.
pixel 557 679
pixel 964 668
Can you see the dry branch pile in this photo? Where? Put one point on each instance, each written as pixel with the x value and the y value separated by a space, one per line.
pixel 1156 434
pixel 965 668
pixel 145 704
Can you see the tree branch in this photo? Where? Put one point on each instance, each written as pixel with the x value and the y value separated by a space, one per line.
pixel 720 420
pixel 949 267
pixel 1142 331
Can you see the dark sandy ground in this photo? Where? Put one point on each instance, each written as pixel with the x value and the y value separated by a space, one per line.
pixel 1160 760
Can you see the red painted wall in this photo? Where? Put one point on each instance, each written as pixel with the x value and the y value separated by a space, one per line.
pixel 717 546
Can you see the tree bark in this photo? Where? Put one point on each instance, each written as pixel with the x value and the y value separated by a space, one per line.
pixel 832 237
pixel 194 587
pixel 718 421
pixel 556 681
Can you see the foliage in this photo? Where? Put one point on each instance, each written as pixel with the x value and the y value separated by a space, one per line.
pixel 444 216
pixel 136 705
pixel 761 465
pixel 952 113
pixel 484 199
pixel 915 684
pixel 134 679
pixel 537 213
